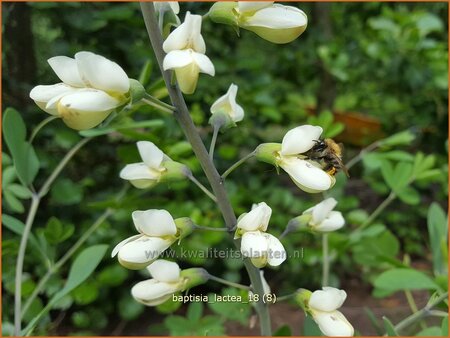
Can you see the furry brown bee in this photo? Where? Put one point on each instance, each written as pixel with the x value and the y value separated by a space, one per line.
pixel 329 154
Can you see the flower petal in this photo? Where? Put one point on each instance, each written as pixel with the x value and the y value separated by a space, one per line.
pixel 152 292
pixel 333 324
pixel 67 70
pixel 333 222
pixel 154 222
pixel 122 243
pixel 150 154
pixel 254 244
pixel 321 210
pixel 167 5
pixel 139 171
pixel 42 95
pixel 86 108
pixel 164 271
pixel 300 139
pixel 252 6
pixel 102 73
pixel 276 253
pixel 306 176
pixel 204 63
pixel 186 36
pixel 257 219
pixel 141 252
pixel 328 299
pixel 177 59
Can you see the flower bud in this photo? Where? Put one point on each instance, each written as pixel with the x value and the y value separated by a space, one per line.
pixel 268 152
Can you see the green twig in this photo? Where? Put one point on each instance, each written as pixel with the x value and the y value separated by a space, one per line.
pixel 237 164
pixel 35 201
pixel 40 126
pixel 226 282
pixel 200 227
pixel 413 306
pixel 213 141
pixel 361 154
pixel 202 187
pixel 325 260
pixel 392 196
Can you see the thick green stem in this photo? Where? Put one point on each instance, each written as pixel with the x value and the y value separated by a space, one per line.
pixel 184 119
pixel 325 260
pixel 226 282
pixel 35 201
pixel 237 164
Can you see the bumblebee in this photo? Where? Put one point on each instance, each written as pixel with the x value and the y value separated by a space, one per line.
pixel 329 154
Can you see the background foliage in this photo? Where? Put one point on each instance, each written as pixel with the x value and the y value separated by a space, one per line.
pixel 363 71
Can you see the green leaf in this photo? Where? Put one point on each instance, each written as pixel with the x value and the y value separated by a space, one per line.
pixel 437 229
pixel 146 72
pixel 82 267
pixel 56 232
pixel 403 279
pixel 390 329
pixel 401 138
pixel 238 311
pixel 14 204
pixel 283 331
pixel 373 321
pixel 129 309
pixel 66 192
pixel 8 176
pixel 409 195
pixel 431 331
pixel 444 327
pixel 20 191
pixel 402 174
pixel 195 311
pixel 387 171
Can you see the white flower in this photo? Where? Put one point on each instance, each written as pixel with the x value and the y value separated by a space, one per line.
pixel 273 22
pixel 307 175
pixel 165 282
pixel 92 87
pixel 228 106
pixel 323 306
pixel 147 173
pixel 157 232
pixel 257 219
pixel 323 218
pixel 260 247
pixel 186 53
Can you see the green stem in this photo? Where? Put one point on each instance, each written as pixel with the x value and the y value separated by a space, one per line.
pixel 40 126
pixel 213 142
pixel 200 227
pixel 157 106
pixel 325 260
pixel 424 312
pixel 35 201
pixel 158 101
pixel 65 258
pixel 392 196
pixel 184 119
pixel 413 306
pixel 237 164
pixel 361 154
pixel 226 282
pixel 286 297
pixel 202 187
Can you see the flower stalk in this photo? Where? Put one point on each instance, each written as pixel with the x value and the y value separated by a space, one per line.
pixel 183 117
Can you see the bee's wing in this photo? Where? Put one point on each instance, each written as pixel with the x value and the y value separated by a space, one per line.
pixel 344 168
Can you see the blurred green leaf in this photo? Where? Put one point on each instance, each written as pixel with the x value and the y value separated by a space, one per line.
pixel 437 230
pixel 403 279
pixel 283 331
pixel 390 329
pixel 402 138
pixel 310 328
pixel 431 331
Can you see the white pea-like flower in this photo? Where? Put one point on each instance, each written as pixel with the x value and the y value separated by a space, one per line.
pixel 306 174
pixel 92 87
pixel 164 6
pixel 323 306
pixel 185 50
pixel 157 232
pixel 155 166
pixel 227 108
pixel 262 248
pixel 166 281
pixel 273 22
pixel 324 218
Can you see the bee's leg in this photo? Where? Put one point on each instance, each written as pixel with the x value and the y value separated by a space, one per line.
pixel 331 171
